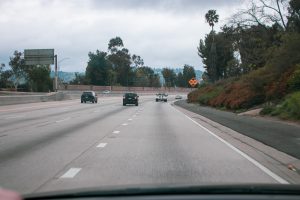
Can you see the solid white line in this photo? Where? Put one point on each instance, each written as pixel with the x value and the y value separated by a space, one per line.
pixel 102 145
pixel 257 164
pixel 62 120
pixel 71 173
pixel 14 117
pixel 124 124
pixel 116 132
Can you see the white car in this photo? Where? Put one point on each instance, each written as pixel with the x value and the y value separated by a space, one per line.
pixel 106 92
pixel 178 97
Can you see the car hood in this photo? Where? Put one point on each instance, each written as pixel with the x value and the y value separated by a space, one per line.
pixel 253 189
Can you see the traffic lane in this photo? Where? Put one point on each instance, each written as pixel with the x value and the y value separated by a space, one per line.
pixel 8 121
pixel 25 109
pixel 158 145
pixel 46 115
pixel 29 134
pixel 30 164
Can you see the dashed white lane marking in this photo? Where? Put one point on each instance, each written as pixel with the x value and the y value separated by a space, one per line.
pixel 125 124
pixel 257 164
pixel 71 173
pixel 130 119
pixel 102 145
pixel 62 120
pixel 134 116
pixel 116 132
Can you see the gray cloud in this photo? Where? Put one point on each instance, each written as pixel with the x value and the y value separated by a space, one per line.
pixel 164 33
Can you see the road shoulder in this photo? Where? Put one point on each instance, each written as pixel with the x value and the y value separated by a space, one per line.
pixel 278 162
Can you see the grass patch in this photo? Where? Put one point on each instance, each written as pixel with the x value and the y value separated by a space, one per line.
pixel 288 109
pixel 207 96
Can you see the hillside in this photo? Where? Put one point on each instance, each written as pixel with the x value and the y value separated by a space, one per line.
pixel 274 87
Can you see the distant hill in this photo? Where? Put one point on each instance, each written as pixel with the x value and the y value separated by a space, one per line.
pixel 65 76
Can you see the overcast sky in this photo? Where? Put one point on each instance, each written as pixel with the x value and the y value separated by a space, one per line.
pixel 165 33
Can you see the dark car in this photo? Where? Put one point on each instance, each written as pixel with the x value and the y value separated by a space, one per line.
pixel 130 98
pixel 89 96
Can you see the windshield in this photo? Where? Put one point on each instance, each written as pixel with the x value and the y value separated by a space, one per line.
pixel 126 93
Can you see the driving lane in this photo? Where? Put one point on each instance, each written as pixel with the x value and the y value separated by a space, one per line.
pixel 94 145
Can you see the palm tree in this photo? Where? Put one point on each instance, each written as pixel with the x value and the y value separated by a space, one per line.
pixel 211 18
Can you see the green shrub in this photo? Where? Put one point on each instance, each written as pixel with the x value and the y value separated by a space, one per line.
pixel 294 81
pixel 289 108
pixel 267 109
pixel 206 97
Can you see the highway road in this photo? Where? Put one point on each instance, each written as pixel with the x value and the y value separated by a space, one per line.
pixel 66 145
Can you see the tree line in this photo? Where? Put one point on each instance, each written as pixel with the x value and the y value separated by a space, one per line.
pixel 117 66
pixel 249 39
pixel 25 77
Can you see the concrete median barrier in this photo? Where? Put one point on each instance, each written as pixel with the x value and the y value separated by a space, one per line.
pixel 20 99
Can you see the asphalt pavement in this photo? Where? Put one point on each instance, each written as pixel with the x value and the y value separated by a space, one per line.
pixel 282 136
pixel 68 145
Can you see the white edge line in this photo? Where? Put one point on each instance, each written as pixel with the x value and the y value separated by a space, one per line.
pixel 71 173
pixel 102 145
pixel 257 164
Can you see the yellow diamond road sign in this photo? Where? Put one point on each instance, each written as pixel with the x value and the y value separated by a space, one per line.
pixel 193 82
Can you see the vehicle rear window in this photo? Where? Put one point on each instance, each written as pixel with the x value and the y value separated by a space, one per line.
pixel 87 93
pixel 130 95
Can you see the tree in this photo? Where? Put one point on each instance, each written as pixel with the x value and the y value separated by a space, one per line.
pixel 188 73
pixel 180 80
pixel 223 54
pixel 4 76
pixel 294 16
pixel 17 65
pixel 169 76
pixel 262 13
pixel 212 18
pixel 137 61
pixel 115 44
pixel 97 71
pixel 39 78
pixel 79 79
pixel 121 61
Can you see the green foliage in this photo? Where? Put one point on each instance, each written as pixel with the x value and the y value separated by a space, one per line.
pixel 145 77
pixel 212 18
pixel 169 76
pixel 287 54
pixel 289 108
pixel 18 68
pixel 80 79
pixel 294 80
pixel 294 17
pixel 39 78
pixel 97 69
pixel 224 54
pixel 209 95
